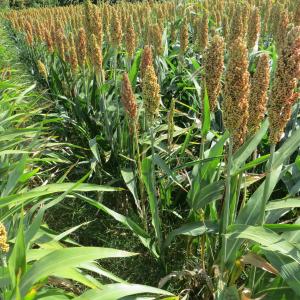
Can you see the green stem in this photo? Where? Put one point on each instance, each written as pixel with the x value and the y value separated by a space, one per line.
pixel 159 235
pixel 244 195
pixel 141 185
pixel 226 210
pixel 237 198
pixel 296 116
pixel 296 120
pixel 202 148
pixel 266 193
pixel 227 188
pixel 115 64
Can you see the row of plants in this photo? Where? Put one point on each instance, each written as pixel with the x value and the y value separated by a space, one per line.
pixel 192 106
pixel 37 262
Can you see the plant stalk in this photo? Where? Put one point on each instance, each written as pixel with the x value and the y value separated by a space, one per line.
pixel 266 195
pixel 159 236
pixel 226 211
pixel 141 185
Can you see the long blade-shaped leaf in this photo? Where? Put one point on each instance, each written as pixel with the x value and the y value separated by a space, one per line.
pixel 65 258
pixel 120 290
pixel 147 174
pixel 270 240
pixel 288 269
pixel 126 221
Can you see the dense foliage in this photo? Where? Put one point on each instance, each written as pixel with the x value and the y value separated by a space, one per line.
pixel 192 108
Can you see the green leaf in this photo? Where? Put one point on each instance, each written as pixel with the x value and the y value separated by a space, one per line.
pixel 287 149
pixel 69 231
pixel 13 152
pixel 282 227
pixel 59 260
pixel 289 270
pixel 14 177
pixel 147 175
pixel 244 152
pixel 129 179
pixel 269 240
pixel 192 229
pixel 39 216
pixel 51 189
pixel 208 194
pixel 252 164
pixel 95 268
pixel 135 68
pixel 54 294
pixel 161 163
pixel 206 116
pixel 126 221
pixel 20 132
pixel 249 214
pixel 204 174
pixel 120 290
pixel 77 276
pixel 229 293
pixel 209 169
pixel 17 259
pixel 94 148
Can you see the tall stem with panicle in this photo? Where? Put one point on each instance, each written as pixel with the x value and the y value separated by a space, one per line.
pixel 141 185
pixel 226 208
pixel 266 194
pixel 156 211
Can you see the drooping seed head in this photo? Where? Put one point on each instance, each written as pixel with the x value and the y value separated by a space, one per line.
pixel 283 94
pixel 171 125
pixel 213 66
pixel 60 40
pixel 49 41
pixel 116 29
pixel 225 27
pixel 3 239
pixel 42 69
pixel 245 18
pixel 151 94
pixel 130 37
pixel 236 26
pixel 236 93
pixel 97 25
pixel 253 28
pixel 282 29
pixel 96 53
pixel 128 99
pixel 203 33
pixel 173 33
pixel 184 37
pixel 297 15
pixel 29 33
pixel 147 59
pixel 258 94
pixel 266 16
pixel 274 18
pixel 72 54
pixel 88 16
pixel 156 38
pixel 82 47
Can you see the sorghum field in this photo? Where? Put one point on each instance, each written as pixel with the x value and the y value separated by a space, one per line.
pixel 150 150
